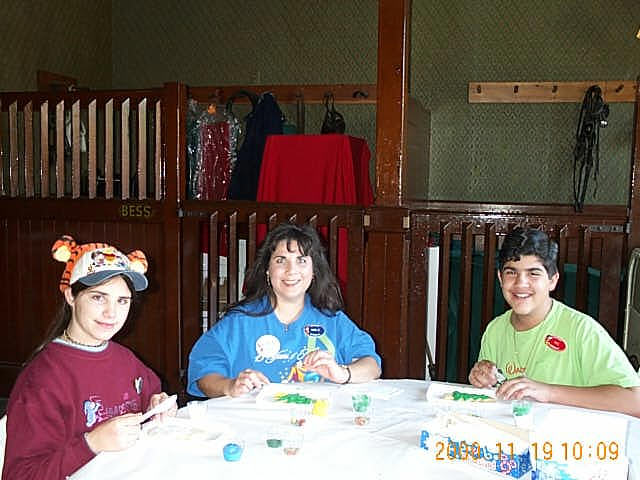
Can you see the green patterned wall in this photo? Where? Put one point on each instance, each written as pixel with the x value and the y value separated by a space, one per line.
pixel 251 42
pixel 70 37
pixel 520 152
pixel 212 42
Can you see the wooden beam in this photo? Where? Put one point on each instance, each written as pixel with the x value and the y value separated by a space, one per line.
pixel 613 91
pixel 394 23
pixel 634 189
pixel 342 93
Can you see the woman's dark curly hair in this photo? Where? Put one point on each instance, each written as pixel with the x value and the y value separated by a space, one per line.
pixel 529 241
pixel 323 291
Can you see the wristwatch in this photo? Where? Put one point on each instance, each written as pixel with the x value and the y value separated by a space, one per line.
pixel 346 367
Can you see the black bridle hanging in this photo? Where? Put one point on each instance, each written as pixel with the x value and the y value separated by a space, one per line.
pixel 586 154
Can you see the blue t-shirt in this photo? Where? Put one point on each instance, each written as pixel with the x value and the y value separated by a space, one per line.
pixel 240 341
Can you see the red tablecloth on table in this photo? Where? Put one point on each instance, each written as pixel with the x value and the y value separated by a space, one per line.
pixel 328 169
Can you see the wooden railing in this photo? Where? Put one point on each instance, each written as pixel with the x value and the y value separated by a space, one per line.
pixel 105 144
pixel 468 236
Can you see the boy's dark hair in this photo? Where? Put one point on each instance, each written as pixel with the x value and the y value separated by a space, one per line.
pixel 529 241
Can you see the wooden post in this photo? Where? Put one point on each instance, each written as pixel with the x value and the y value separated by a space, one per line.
pixel 387 249
pixel 394 21
pixel 174 146
pixel 634 193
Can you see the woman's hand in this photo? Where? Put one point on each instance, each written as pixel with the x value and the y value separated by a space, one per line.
pixel 155 400
pixel 117 433
pixel 323 363
pixel 246 381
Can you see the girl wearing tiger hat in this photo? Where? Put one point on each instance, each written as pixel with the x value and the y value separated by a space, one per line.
pixel 82 393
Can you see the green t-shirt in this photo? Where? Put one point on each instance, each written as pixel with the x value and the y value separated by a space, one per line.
pixel 566 348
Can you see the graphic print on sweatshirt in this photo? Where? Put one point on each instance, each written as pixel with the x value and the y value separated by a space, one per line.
pixel 96 412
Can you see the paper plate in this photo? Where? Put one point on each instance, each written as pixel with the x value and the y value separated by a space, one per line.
pixel 184 430
pixel 313 391
pixel 437 393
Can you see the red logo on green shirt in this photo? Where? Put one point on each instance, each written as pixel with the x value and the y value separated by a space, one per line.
pixel 555 343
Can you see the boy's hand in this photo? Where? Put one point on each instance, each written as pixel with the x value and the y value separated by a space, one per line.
pixel 484 374
pixel 521 387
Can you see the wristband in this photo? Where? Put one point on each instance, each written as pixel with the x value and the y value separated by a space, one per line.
pixel 348 374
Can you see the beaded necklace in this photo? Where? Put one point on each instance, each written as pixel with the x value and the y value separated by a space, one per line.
pixel 67 337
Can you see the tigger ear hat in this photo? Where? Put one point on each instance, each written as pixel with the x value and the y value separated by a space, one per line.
pixel 93 263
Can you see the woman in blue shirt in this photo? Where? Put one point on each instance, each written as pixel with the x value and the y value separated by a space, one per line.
pixel 290 326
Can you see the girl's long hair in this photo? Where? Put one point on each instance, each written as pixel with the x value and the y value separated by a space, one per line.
pixel 324 290
pixel 63 317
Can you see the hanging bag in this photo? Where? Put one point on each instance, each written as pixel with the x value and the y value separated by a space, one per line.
pixel 333 120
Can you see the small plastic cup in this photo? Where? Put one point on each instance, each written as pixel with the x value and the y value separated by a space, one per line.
pixel 299 414
pixel 232 451
pixel 292 441
pixel 320 407
pixel 274 438
pixel 197 410
pixel 362 408
pixel 522 413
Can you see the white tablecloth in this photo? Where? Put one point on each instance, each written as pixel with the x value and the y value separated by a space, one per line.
pixel 333 448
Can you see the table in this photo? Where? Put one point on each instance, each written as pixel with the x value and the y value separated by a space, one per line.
pixel 329 169
pixel 334 448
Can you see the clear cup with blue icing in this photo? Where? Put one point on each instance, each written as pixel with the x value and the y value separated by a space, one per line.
pixel 233 450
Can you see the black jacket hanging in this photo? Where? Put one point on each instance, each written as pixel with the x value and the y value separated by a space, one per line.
pixel 586 154
pixel 265 118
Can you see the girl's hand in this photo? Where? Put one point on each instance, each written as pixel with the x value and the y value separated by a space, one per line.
pixel 246 381
pixel 323 363
pixel 155 400
pixel 117 433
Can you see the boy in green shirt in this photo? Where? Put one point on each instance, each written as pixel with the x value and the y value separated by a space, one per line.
pixel 547 351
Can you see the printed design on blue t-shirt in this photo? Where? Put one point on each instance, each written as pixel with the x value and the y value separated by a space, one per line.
pixel 269 350
pixel 300 374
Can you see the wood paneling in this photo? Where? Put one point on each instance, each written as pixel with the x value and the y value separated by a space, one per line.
pixel 386 288
pixel 30 297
